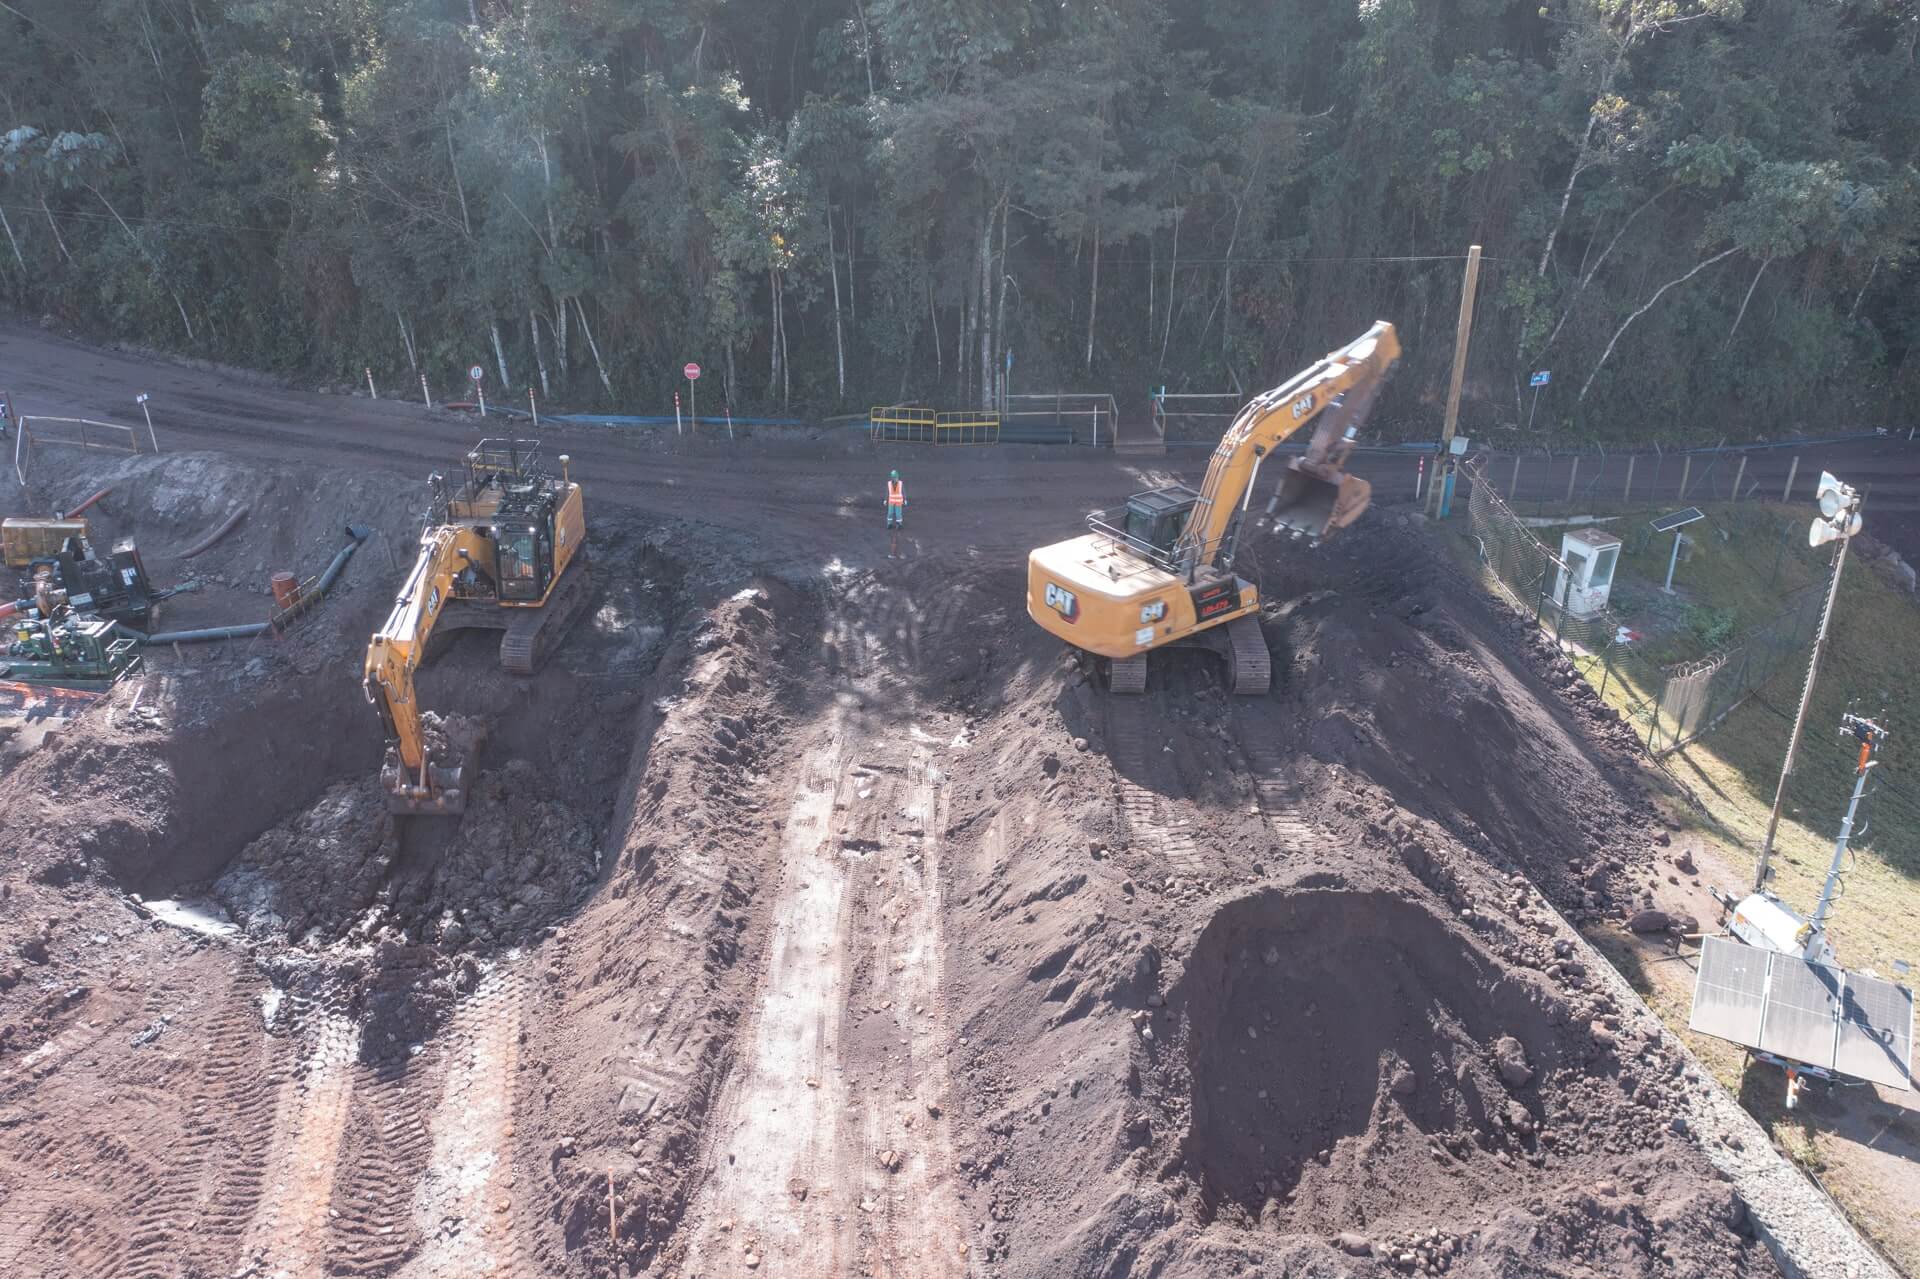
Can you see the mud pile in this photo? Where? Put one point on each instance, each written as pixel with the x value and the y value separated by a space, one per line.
pixel 1303 1011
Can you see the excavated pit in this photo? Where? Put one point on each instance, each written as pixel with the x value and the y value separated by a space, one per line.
pixel 1333 1036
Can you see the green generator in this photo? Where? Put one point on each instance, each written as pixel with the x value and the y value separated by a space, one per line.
pixel 80 650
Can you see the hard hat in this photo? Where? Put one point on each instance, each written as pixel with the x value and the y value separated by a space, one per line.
pixel 893 475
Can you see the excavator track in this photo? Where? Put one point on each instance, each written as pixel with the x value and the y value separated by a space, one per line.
pixel 1128 676
pixel 534 632
pixel 1250 664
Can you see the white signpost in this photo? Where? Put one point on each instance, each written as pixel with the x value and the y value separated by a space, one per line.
pixel 692 373
pixel 478 374
pixel 141 399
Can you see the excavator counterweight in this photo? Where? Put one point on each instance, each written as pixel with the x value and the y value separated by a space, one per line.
pixel 1159 570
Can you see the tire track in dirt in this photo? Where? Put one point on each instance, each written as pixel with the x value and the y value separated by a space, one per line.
pixel 1277 792
pixel 286 1235
pixel 910 1223
pixel 194 1215
pixel 1149 818
pixel 772 1185
pixel 373 1229
pixel 463 1202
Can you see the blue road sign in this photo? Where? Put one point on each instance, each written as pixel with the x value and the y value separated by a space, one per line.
pixel 1541 378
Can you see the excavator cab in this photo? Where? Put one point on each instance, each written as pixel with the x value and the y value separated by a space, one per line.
pixel 524 556
pixel 1157 517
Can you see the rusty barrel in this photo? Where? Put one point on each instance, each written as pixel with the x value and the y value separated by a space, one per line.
pixel 286 589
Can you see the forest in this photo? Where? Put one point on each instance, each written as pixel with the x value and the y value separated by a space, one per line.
pixel 1701 215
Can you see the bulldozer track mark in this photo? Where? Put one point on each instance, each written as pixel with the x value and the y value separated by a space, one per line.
pixel 372 1228
pixel 287 1233
pixel 1275 790
pixel 195 1213
pixel 463 1203
pixel 1149 817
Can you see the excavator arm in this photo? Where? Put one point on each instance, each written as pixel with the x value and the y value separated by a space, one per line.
pixel 1334 395
pixel 414 784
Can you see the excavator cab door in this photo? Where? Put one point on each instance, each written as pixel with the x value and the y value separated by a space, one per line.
pixel 524 554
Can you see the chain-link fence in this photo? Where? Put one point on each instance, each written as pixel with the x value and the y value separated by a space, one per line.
pixel 1671 705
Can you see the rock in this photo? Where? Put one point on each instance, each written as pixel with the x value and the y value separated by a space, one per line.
pixel 1079 743
pixel 1686 925
pixel 1649 921
pixel 751 1261
pixel 1663 838
pixel 1601 1035
pixel 1353 1245
pixel 1404 1083
pixel 890 1160
pixel 1271 957
pixel 1511 1061
pixel 1679 1126
pixel 1683 862
pixel 34 950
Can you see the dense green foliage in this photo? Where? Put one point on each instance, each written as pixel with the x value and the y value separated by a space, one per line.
pixel 1701 214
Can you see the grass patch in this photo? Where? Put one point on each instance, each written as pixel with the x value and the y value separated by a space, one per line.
pixel 1750 561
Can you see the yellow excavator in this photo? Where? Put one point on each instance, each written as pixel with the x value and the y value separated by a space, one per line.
pixel 1159 570
pixel 504 549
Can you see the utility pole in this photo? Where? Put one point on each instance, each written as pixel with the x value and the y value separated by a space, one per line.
pixel 1838 521
pixel 1462 331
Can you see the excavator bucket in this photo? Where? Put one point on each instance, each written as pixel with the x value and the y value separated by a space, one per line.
pixel 1317 501
pixel 442 794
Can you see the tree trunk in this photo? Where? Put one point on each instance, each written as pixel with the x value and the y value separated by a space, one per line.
pixel 939 356
pixel 839 344
pixel 406 340
pixel 985 305
pixel 55 228
pixel 458 186
pixel 160 279
pixel 540 361
pixel 10 240
pixel 1764 264
pixel 1587 277
pixel 1644 308
pixel 500 356
pixel 1093 296
pixel 1000 300
pixel 587 331
pixel 1173 297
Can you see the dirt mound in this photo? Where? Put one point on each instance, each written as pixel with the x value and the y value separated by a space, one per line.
pixel 1332 1038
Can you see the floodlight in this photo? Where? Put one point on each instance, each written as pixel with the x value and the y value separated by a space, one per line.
pixel 1853 525
pixel 1831 494
pixel 1820 532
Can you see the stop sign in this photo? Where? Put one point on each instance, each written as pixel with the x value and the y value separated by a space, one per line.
pixel 692 371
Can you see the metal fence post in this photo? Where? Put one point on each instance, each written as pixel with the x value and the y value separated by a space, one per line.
pixel 1739 475
pixel 1516 476
pixel 1792 471
pixel 1573 476
pixel 1686 470
pixel 1626 493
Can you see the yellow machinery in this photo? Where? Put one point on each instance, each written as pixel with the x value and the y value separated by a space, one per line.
pixel 503 550
pixel 1159 570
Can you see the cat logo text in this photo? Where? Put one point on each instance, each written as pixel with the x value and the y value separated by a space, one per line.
pixel 1062 601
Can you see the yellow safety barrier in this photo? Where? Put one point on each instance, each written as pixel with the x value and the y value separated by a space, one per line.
pixel 904 424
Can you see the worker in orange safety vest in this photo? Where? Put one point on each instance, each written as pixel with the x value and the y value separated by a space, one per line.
pixel 896 500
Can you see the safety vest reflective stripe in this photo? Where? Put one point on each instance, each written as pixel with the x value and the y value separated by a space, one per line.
pixel 896 493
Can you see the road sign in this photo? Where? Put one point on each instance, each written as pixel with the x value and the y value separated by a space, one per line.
pixel 476 373
pixel 1541 378
pixel 1625 635
pixel 692 371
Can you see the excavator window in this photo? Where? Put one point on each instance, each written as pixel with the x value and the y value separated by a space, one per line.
pixel 522 566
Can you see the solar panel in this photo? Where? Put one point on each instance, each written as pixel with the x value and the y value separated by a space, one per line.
pixel 1850 1023
pixel 1876 1032
pixel 1729 992
pixel 1668 523
pixel 1802 1012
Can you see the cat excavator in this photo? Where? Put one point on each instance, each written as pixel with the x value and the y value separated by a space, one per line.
pixel 503 549
pixel 1159 570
